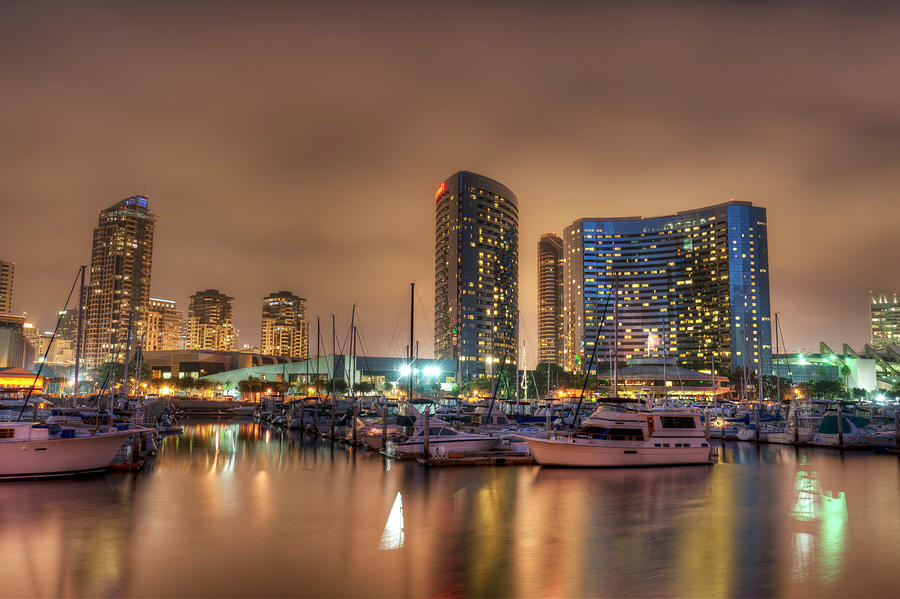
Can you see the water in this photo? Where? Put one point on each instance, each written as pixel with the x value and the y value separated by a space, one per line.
pixel 234 510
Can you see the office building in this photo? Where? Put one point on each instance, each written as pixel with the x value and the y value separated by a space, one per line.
pixel 7 270
pixel 119 287
pixel 476 275
pixel 210 323
pixel 165 326
pixel 884 317
pixel 15 350
pixel 693 286
pixel 284 325
pixel 550 299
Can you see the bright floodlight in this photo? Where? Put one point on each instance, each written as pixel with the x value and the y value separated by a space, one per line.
pixel 405 370
pixel 432 371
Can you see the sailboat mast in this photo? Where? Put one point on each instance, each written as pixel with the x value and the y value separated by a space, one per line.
pixel 352 367
pixel 777 377
pixel 79 335
pixel 412 326
pixel 616 337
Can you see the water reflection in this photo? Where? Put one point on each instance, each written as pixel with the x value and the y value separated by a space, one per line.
pixel 235 509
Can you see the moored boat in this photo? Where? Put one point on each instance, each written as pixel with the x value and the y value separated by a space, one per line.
pixel 31 450
pixel 616 438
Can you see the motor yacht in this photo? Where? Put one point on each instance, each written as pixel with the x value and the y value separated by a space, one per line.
pixel 615 436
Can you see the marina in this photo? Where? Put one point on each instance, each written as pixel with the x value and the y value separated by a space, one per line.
pixel 238 508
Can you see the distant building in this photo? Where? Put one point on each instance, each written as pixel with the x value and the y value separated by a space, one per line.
pixel 68 324
pixel 33 336
pixel 550 299
pixel 7 270
pixel 165 326
pixel 15 350
pixel 210 322
pixel 884 316
pixel 119 286
pixel 284 325
pixel 476 278
pixel 693 286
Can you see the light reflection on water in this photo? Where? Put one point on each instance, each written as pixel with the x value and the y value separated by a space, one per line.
pixel 237 510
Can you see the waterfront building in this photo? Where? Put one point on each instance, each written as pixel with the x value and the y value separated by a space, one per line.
pixel 476 275
pixel 210 323
pixel 7 270
pixel 884 317
pixel 284 325
pixel 693 286
pixel 15 350
pixel 165 326
pixel 119 287
pixel 550 299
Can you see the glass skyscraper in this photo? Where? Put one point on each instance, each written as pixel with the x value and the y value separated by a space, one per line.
pixel 693 286
pixel 476 272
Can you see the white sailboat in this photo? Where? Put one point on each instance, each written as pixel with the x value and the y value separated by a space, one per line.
pixel 32 450
pixel 442 440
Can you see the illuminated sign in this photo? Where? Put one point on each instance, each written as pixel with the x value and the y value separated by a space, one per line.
pixel 441 189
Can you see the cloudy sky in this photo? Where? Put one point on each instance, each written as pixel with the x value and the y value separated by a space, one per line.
pixel 297 147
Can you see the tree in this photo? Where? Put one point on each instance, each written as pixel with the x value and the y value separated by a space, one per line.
pixel 859 393
pixel 339 385
pixel 845 372
pixel 827 389
pixel 364 387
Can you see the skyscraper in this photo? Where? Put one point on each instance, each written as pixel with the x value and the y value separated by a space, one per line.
pixel 119 287
pixel 284 325
pixel 692 286
pixel 165 326
pixel 884 316
pixel 476 275
pixel 210 324
pixel 550 298
pixel 7 270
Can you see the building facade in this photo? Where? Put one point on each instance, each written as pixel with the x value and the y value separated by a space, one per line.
pixel 284 325
pixel 15 350
pixel 693 286
pixel 165 326
pixel 884 316
pixel 550 299
pixel 476 276
pixel 119 287
pixel 210 323
pixel 7 271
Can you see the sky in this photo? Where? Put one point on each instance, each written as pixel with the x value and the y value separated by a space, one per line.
pixel 289 146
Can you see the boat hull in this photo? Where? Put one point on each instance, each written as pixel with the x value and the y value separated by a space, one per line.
pixel 445 447
pixel 565 453
pixel 60 457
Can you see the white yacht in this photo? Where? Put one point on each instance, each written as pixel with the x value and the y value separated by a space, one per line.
pixel 32 450
pixel 613 436
pixel 442 440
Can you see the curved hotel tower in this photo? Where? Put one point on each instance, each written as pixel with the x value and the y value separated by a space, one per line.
pixel 476 273
pixel 693 286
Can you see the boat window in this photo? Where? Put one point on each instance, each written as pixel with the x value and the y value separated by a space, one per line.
pixel 7 433
pixel 449 432
pixel 677 421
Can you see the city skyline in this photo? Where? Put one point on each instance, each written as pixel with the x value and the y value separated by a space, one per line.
pixel 345 185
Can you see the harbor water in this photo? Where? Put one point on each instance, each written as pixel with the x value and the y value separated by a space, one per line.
pixel 233 509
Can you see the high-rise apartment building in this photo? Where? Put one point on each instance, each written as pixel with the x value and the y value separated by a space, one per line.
pixel 119 286
pixel 884 316
pixel 550 299
pixel 7 270
pixel 693 286
pixel 165 326
pixel 284 325
pixel 210 324
pixel 476 275
pixel 15 350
